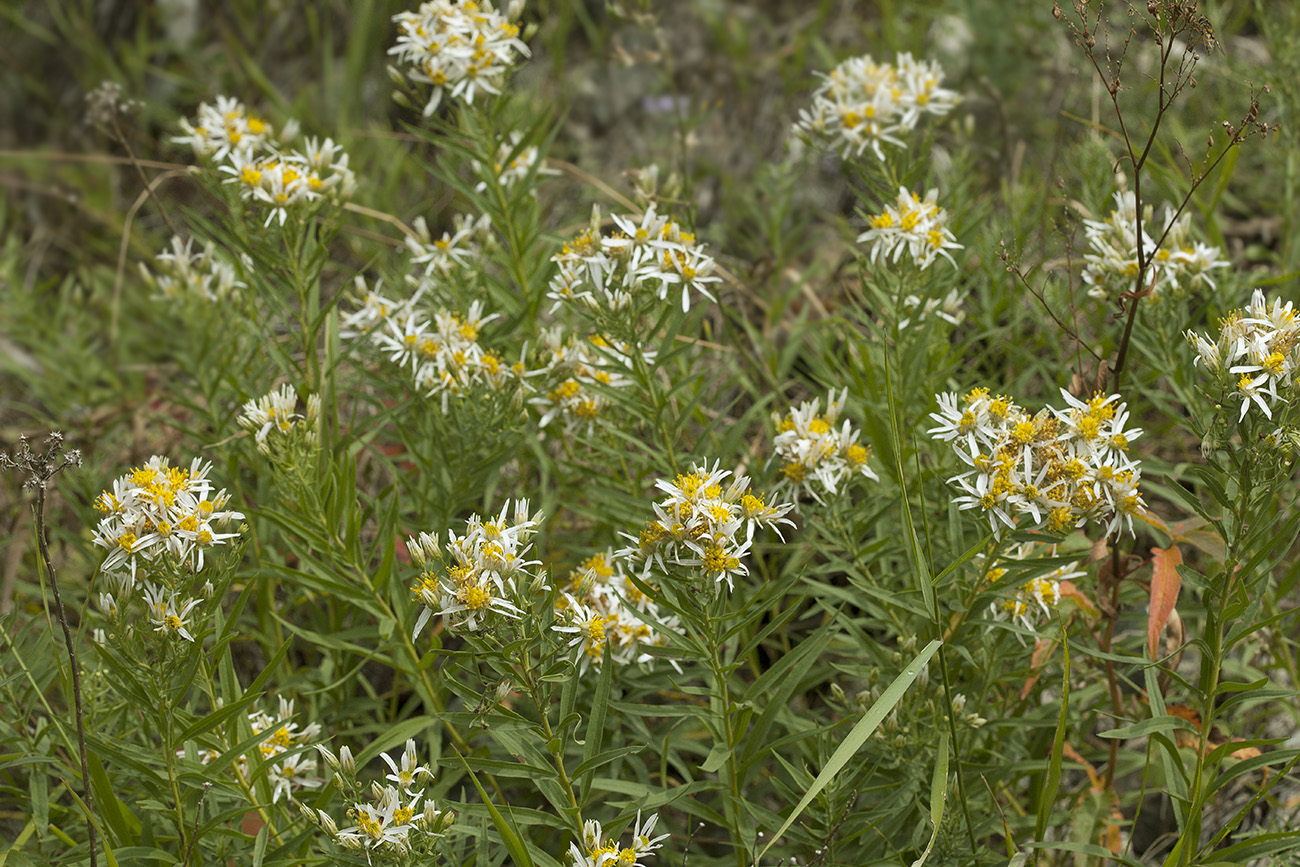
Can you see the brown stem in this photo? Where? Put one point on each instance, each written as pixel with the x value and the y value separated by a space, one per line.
pixel 39 509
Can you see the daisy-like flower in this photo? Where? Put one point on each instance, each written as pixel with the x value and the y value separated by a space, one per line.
pixel 288 771
pixel 911 224
pixel 1055 470
pixel 584 373
pixel 601 607
pixel 1036 598
pixel 409 771
pixel 1176 267
pixel 276 413
pixel 862 104
pixel 392 820
pixel 223 129
pixel 158 510
pixel 646 257
pixel 513 163
pixel 1255 356
pixel 458 48
pixel 698 525
pixel 183 273
pixel 814 453
pixel 167 615
pixel 442 257
pixel 949 309
pixel 479 578
pixel 598 850
pixel 441 355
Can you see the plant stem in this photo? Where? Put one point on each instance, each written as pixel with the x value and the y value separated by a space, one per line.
pixel 61 615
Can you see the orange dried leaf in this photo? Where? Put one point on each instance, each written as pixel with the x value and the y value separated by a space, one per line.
pixel 1165 584
pixel 1070 591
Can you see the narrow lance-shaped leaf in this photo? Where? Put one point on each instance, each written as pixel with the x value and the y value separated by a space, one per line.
pixel 1165 584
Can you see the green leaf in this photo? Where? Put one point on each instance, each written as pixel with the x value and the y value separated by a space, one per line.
pixel 938 797
pixel 1058 748
pixel 508 831
pixel 856 738
pixel 1147 726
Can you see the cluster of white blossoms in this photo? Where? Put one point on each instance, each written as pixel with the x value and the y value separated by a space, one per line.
pixel 441 354
pixel 513 163
pixel 949 309
pixel 289 769
pixel 267 171
pixel 814 453
pixel 458 47
pixel 277 413
pixel 862 104
pixel 1256 354
pixel 1176 267
pixel 159 511
pixel 651 255
pixel 704 527
pixel 584 371
pixel 1058 469
pixel 392 821
pixel 598 850
pixel 183 273
pixel 601 608
pixel 454 251
pixel 911 224
pixel 477 576
pixel 1037 597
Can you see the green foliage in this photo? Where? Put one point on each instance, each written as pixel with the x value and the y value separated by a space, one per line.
pixel 540 532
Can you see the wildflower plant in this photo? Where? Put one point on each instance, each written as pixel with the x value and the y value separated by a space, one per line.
pixel 861 105
pixel 454 494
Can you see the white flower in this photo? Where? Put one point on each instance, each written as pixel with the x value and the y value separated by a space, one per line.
pixel 597 850
pixel 276 413
pixel 167 615
pixel 1255 357
pixel 159 510
pixel 410 770
pixel 480 579
pixel 223 129
pixel 180 273
pixel 698 525
pixel 457 48
pixel 913 224
pixel 1174 267
pixel 1057 469
pixel 812 449
pixel 862 104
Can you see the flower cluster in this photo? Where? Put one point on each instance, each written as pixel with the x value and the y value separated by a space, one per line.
pixel 812 450
pixel 949 309
pixel 601 607
pixel 611 272
pixel 277 413
pixel 159 511
pixel 181 273
pixel 480 577
pixel 1176 266
pixel 1037 596
pixel 289 769
pixel 597 850
pixel 913 224
pixel 513 163
pixel 862 104
pixel 391 821
pixel 698 525
pixel 443 257
pixel 1258 346
pixel 441 355
pixel 584 372
pixel 458 47
pixel 1058 469
pixel 266 171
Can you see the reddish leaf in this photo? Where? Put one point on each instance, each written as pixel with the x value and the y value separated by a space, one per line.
pixel 1165 584
pixel 1069 590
